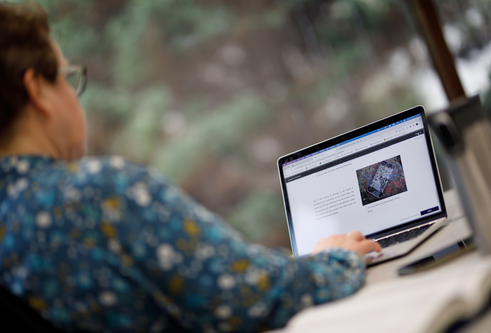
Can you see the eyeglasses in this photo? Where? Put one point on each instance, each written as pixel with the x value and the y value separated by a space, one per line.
pixel 76 76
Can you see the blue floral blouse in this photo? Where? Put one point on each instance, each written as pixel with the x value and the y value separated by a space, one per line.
pixel 104 245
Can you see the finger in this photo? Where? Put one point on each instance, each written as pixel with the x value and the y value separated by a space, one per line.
pixel 356 235
pixel 377 246
pixel 374 246
pixel 369 246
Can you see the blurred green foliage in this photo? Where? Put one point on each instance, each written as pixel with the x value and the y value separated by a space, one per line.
pixel 218 132
pixel 251 213
pixel 195 88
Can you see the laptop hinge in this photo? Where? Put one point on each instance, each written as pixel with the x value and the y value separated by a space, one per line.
pixel 405 230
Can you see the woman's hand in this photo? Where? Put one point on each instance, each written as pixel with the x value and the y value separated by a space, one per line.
pixel 354 241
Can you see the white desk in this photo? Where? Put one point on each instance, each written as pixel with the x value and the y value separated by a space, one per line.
pixel 456 228
pixel 385 275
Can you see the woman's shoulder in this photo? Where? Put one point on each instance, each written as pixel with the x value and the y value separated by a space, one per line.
pixel 91 179
pixel 111 170
pixel 107 166
pixel 92 171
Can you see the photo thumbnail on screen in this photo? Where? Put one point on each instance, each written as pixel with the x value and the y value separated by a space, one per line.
pixel 381 180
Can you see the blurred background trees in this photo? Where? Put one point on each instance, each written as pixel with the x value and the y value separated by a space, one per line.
pixel 212 92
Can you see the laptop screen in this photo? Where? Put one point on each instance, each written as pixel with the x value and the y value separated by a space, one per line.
pixel 373 179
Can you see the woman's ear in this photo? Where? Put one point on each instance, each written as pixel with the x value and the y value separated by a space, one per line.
pixel 36 85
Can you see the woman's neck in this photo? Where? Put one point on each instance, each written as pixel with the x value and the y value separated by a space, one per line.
pixel 27 137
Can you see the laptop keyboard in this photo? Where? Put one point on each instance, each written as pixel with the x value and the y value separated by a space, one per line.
pixel 403 236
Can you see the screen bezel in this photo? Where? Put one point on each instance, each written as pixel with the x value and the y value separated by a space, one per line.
pixel 417 110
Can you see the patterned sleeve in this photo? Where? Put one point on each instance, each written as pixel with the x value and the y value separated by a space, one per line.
pixel 201 272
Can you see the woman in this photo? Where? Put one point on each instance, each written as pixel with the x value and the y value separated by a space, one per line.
pixel 105 245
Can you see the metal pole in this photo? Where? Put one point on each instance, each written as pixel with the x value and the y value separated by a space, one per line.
pixel 429 22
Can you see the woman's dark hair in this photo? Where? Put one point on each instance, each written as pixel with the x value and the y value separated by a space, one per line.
pixel 24 43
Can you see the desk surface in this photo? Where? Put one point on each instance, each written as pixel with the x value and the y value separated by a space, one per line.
pixel 455 228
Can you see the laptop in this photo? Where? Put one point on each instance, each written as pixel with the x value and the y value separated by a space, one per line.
pixel 381 179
